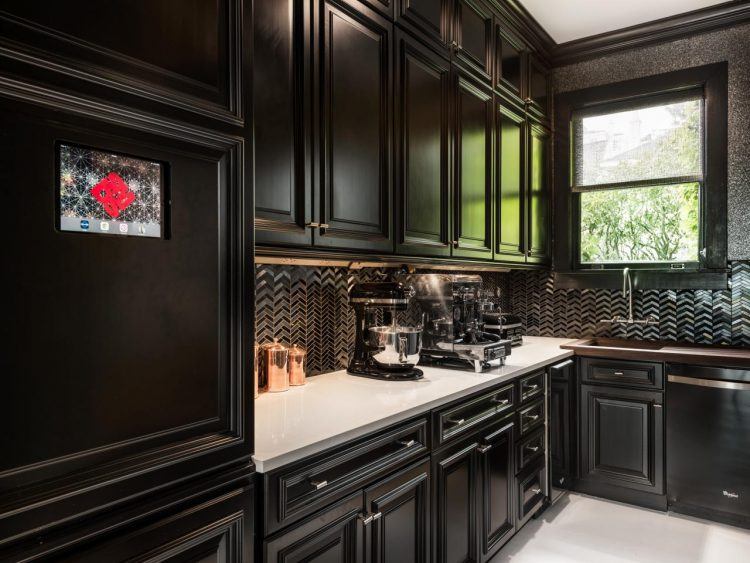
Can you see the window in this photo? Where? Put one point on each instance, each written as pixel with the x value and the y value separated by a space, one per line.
pixel 644 184
pixel 639 170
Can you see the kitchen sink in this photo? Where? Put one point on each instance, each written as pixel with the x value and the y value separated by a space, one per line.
pixel 618 343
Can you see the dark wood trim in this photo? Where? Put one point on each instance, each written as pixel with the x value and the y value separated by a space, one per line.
pixel 712 79
pixel 530 29
pixel 649 33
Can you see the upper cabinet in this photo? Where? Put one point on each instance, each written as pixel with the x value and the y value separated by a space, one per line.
pixel 538 200
pixel 353 155
pixel 539 96
pixel 510 184
pixel 472 37
pixel 510 67
pixel 423 89
pixel 427 19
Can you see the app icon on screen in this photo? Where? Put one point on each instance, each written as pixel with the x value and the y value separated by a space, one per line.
pixel 104 226
pixel 85 224
pixel 123 227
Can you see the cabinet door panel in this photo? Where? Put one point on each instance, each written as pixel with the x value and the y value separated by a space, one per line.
pixel 539 88
pixel 511 174
pixel 539 195
pixel 510 69
pixel 473 23
pixel 455 504
pixel 334 536
pixel 401 532
pixel 283 202
pixel 428 18
pixel 422 94
pixel 560 429
pixel 496 492
pixel 355 179
pixel 621 431
pixel 473 170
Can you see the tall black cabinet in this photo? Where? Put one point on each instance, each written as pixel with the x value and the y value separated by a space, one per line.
pixel 127 421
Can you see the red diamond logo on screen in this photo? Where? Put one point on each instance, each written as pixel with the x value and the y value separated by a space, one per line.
pixel 114 194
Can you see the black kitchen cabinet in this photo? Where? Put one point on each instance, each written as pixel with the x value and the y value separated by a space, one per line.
pixel 622 438
pixel 539 94
pixel 455 473
pixel 473 38
pixel 562 424
pixel 353 184
pixel 473 190
pixel 399 508
pixel 428 19
pixel 496 469
pixel 510 241
pixel 423 94
pixel 538 198
pixel 510 65
pixel 335 535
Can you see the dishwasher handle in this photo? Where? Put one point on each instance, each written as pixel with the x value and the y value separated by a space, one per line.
pixel 733 385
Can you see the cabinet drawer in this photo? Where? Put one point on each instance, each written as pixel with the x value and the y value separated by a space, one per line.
pixel 531 386
pixel 531 417
pixel 529 450
pixel 623 372
pixel 306 486
pixel 531 490
pixel 458 419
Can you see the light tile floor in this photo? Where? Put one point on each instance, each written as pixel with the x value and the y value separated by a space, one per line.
pixel 581 529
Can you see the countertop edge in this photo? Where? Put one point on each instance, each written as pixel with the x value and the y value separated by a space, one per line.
pixel 329 442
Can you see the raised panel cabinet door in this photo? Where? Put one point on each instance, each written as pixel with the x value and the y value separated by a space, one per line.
pixel 335 535
pixel 538 244
pixel 473 193
pixel 510 238
pixel 429 19
pixel 281 110
pixel 354 106
pixel 560 433
pixel 510 67
pixel 622 437
pixel 422 149
pixel 539 95
pixel 400 510
pixel 472 42
pixel 496 463
pixel 455 473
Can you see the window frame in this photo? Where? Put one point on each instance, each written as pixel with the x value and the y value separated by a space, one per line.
pixel 710 271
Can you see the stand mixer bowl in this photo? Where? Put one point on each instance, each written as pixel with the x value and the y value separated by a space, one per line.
pixel 399 346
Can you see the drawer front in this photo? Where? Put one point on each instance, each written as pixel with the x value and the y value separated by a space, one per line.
pixel 531 386
pixel 459 419
pixel 623 372
pixel 531 490
pixel 529 450
pixel 313 483
pixel 531 417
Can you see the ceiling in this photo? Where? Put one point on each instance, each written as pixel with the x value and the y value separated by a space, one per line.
pixel 566 20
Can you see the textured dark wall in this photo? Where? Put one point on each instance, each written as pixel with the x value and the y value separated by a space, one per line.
pixel 731 45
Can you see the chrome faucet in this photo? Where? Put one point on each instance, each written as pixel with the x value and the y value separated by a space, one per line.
pixel 627 291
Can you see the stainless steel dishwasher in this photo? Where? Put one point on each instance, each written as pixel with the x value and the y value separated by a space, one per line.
pixel 708 442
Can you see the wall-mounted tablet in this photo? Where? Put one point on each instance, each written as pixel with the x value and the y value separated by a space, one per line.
pixel 101 192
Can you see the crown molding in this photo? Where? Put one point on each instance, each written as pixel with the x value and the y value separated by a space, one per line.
pixel 666 29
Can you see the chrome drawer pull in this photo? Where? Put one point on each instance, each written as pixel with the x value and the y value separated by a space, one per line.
pixel 367 518
pixel 536 491
pixel 533 449
pixel 618 373
pixel 501 402
pixel 457 421
pixel 319 484
pixel 532 416
pixel 377 515
pixel 484 449
pixel 406 443
pixel 533 387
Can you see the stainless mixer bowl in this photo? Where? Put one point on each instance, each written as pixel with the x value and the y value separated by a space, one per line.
pixel 399 345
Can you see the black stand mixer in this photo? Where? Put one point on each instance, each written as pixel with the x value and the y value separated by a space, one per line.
pixel 382 348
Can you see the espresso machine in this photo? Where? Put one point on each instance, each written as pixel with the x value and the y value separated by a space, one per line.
pixel 454 333
pixel 384 349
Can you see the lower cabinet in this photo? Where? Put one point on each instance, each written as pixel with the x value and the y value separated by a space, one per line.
pixel 562 425
pixel 387 522
pixel 622 438
pixel 473 495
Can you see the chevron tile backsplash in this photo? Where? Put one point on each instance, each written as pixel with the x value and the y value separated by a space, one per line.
pixel 308 306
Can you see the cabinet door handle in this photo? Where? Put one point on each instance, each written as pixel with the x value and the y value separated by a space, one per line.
pixel 532 449
pixel 319 484
pixel 367 518
pixel 455 244
pixel 532 387
pixel 312 225
pixel 531 417
pixel 501 402
pixel 406 443
pixel 457 421
pixel 377 516
pixel 658 406
pixel 536 491
pixel 325 226
pixel 484 449
pixel 618 373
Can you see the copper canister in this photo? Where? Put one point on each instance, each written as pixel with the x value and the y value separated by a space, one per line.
pixel 276 361
pixel 297 365
pixel 256 353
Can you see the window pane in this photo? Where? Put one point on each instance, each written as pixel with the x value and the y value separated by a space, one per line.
pixel 642 144
pixel 640 225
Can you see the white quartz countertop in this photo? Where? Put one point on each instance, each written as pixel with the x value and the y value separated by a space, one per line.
pixel 336 407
